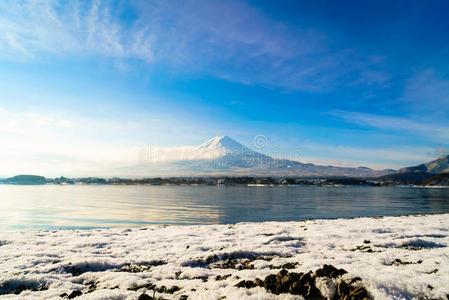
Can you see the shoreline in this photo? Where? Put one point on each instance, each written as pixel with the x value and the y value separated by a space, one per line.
pixel 401 257
pixel 234 184
pixel 144 225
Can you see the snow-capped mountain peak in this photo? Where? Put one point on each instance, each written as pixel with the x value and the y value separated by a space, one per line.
pixel 223 144
pixel 216 147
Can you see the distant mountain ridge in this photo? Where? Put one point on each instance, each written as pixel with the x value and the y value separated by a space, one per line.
pixel 437 166
pixel 223 155
pixel 428 173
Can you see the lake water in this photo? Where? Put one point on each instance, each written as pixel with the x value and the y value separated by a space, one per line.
pixel 97 206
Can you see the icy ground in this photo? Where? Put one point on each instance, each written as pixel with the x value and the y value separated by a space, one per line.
pixel 396 258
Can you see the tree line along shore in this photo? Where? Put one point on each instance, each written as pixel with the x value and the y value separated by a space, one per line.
pixel 438 180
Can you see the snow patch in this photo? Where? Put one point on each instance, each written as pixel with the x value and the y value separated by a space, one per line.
pixel 395 257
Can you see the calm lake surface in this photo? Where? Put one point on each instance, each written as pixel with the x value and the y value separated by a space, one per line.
pixel 97 206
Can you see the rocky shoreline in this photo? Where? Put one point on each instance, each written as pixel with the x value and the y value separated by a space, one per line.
pixel 308 285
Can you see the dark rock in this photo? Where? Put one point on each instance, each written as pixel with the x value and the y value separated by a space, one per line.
pixel 249 284
pixel 258 282
pixel 245 284
pixel 183 297
pixel 133 268
pixel 296 288
pixel 149 286
pixel 289 265
pixel 337 273
pixel 277 284
pixel 358 294
pixel 366 241
pixel 363 248
pixel 74 270
pixel 303 284
pixel 140 267
pixel 282 284
pixel 282 272
pixel 343 289
pixel 307 278
pixel 75 294
pixel 203 278
pixel 63 295
pixel 145 297
pixel 270 283
pixel 312 292
pixel 355 279
pixel 222 277
pixel 295 276
pixel 172 290
pixel 92 286
pixel 285 266
pixel 325 271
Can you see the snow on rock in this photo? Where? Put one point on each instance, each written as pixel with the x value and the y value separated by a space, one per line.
pixel 396 258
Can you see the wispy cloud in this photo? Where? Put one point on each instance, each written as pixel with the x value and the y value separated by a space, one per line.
pixel 435 132
pixel 377 158
pixel 237 42
pixel 428 90
pixel 31 30
pixel 230 40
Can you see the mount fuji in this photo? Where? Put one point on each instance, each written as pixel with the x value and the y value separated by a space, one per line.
pixel 223 155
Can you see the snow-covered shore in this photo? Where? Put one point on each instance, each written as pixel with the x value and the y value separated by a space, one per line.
pixel 396 257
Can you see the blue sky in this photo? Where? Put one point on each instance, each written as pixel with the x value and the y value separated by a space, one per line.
pixel 86 83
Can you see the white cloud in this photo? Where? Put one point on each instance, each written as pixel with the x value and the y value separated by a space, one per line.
pixel 55 144
pixel 439 151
